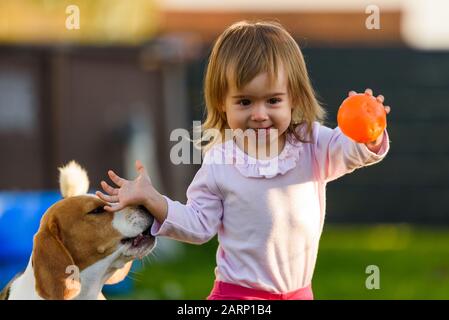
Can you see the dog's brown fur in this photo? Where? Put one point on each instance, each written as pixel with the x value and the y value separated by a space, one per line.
pixel 70 235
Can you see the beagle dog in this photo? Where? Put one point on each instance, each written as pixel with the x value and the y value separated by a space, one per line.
pixel 79 246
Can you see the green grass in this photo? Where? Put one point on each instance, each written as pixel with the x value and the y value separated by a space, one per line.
pixel 413 264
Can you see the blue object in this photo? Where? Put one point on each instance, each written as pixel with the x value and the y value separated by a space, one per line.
pixel 20 215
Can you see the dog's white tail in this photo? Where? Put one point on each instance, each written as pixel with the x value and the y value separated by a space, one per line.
pixel 73 180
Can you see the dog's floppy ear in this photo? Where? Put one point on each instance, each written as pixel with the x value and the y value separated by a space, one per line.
pixel 50 263
pixel 120 274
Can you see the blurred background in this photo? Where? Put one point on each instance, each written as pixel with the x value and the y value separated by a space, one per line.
pixel 110 87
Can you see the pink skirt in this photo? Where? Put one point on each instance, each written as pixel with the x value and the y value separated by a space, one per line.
pixel 228 291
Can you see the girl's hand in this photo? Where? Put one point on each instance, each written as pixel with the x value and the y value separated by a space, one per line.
pixel 136 192
pixel 374 146
pixel 128 193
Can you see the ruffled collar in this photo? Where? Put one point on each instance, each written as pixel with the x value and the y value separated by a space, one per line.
pixel 255 168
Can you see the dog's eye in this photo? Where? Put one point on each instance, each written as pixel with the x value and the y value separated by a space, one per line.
pixel 97 210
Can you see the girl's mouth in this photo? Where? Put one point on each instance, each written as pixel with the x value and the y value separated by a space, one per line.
pixel 267 128
pixel 263 130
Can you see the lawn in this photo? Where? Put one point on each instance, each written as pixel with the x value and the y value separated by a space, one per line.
pixel 413 263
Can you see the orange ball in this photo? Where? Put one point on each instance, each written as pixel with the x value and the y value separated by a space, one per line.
pixel 362 118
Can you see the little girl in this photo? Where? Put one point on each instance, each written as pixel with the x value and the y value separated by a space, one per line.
pixel 268 211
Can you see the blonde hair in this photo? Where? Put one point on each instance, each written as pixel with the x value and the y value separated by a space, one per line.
pixel 241 52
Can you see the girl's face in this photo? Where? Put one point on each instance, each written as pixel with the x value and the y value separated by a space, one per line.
pixel 260 106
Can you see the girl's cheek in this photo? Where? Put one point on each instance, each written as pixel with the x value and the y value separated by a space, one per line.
pixel 233 123
pixel 285 118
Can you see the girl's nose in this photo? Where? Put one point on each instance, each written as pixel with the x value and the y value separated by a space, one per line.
pixel 259 113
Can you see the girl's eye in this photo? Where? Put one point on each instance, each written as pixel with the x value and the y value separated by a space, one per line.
pixel 274 100
pixel 244 102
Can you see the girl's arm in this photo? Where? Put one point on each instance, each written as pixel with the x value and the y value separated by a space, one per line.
pixel 198 220
pixel 195 222
pixel 338 155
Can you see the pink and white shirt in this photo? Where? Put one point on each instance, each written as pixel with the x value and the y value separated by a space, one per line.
pixel 268 214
